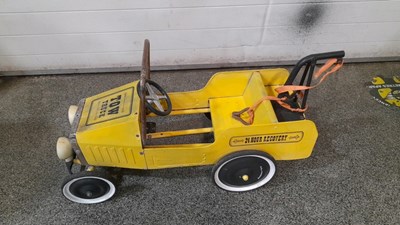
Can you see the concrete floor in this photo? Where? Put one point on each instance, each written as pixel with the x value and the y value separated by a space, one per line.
pixel 352 177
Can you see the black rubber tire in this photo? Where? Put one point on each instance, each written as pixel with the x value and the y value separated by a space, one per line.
pixel 244 171
pixel 88 187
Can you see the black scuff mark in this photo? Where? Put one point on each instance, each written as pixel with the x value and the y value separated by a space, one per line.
pixel 310 17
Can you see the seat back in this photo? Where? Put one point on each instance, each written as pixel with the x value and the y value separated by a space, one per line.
pixel 255 90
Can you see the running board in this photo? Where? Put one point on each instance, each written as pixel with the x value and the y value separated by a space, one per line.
pixel 167 134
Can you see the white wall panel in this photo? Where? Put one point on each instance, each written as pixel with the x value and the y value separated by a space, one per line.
pixel 128 41
pixel 131 20
pixel 336 12
pixel 224 56
pixel 29 6
pixel 334 33
pixel 96 34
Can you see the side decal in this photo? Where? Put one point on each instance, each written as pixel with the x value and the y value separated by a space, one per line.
pixel 267 139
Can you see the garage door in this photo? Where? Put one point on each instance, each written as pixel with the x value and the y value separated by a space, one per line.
pixel 46 36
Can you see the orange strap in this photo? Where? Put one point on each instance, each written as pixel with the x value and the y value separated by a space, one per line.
pixel 324 68
pixel 251 110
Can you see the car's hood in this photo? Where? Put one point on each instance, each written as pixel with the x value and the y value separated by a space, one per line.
pixel 108 132
pixel 109 108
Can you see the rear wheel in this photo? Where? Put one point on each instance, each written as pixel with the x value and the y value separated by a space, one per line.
pixel 88 187
pixel 244 171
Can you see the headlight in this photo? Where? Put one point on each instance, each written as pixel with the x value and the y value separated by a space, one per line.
pixel 64 149
pixel 71 113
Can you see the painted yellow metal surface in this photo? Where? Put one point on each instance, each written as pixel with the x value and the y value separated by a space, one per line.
pixel 225 84
pixel 184 112
pixel 111 137
pixel 180 133
pixel 108 133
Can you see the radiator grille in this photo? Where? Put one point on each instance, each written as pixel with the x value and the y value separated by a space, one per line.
pixel 111 155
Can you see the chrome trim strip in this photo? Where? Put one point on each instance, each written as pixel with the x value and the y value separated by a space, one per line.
pixel 74 129
pixel 77 118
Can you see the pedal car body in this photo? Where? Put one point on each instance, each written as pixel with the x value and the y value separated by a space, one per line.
pixel 108 126
pixel 111 130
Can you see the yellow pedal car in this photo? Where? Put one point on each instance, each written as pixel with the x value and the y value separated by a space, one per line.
pixel 252 126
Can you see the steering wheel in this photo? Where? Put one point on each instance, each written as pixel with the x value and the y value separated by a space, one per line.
pixel 151 94
pixel 156 98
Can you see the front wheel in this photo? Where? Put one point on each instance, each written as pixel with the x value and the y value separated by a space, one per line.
pixel 88 187
pixel 244 171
